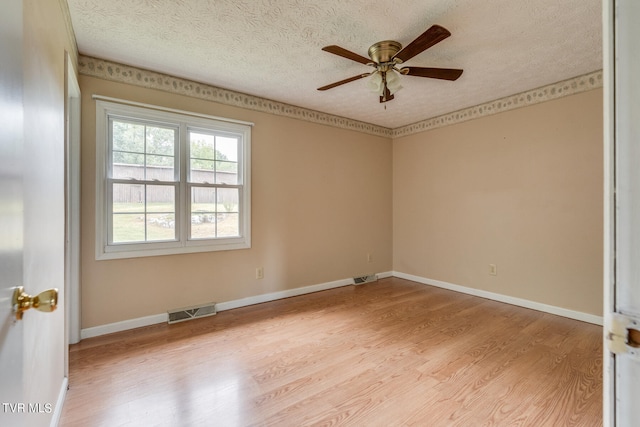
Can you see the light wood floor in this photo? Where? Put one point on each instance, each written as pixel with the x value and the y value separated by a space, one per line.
pixel 382 354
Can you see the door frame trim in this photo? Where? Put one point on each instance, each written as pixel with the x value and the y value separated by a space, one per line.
pixel 608 46
pixel 72 203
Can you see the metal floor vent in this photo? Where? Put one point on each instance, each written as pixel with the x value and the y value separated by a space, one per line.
pixel 188 313
pixel 365 279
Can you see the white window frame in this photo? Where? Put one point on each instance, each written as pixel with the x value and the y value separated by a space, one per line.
pixel 183 120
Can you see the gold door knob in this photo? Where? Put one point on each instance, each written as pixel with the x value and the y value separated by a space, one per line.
pixel 45 301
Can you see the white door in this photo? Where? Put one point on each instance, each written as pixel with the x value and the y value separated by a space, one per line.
pixel 32 382
pixel 622 212
pixel 11 204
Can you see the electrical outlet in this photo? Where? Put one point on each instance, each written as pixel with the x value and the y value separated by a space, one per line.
pixel 493 269
pixel 260 273
pixel 369 258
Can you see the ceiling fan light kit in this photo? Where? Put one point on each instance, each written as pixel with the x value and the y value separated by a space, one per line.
pixel 376 85
pixel 386 55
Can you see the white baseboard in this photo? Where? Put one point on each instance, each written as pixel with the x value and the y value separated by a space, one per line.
pixel 385 275
pixel 57 411
pixel 243 302
pixel 222 306
pixel 123 325
pixel 571 314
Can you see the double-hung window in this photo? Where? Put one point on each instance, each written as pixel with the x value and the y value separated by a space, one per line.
pixel 170 182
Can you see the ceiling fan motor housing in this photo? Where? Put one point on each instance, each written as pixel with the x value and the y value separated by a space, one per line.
pixel 384 51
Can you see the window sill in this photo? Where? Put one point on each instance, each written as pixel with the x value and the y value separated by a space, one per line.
pixel 127 251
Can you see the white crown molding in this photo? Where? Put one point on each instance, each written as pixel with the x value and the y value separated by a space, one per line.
pixel 121 73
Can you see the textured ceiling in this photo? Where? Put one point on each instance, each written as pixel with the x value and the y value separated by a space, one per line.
pixel 272 48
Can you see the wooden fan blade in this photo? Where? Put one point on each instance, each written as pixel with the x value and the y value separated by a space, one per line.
pixel 434 73
pixel 432 36
pixel 341 82
pixel 337 50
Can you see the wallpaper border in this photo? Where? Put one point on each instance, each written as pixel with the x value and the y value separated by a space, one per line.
pixel 546 93
pixel 121 73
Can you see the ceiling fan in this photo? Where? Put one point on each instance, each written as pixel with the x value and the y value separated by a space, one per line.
pixel 387 55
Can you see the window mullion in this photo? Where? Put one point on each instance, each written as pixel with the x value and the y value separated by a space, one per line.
pixel 109 219
pixel 184 190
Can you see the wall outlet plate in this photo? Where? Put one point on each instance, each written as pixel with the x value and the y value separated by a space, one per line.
pixel 493 269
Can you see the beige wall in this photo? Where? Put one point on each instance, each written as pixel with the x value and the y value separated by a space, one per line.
pixel 45 41
pixel 520 189
pixel 320 203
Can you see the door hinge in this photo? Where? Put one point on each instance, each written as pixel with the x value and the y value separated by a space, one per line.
pixel 622 335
